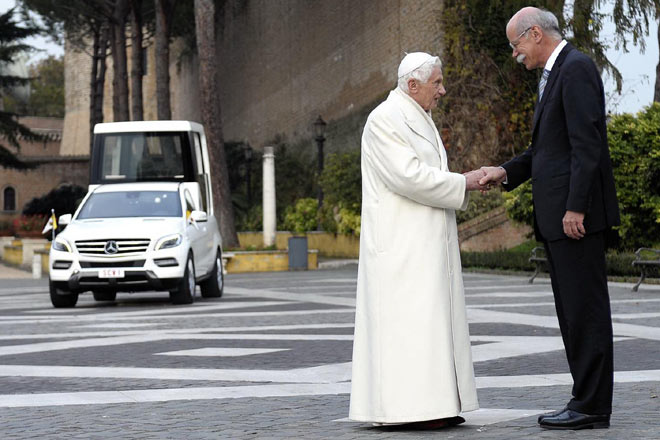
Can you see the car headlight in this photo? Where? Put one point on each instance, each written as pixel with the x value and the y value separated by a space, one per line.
pixel 169 241
pixel 60 244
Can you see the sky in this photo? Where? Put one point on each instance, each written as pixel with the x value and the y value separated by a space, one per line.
pixel 637 69
pixel 46 46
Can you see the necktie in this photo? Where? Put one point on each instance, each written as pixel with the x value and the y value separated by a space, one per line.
pixel 544 80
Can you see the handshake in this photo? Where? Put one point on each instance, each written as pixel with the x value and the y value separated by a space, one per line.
pixel 484 178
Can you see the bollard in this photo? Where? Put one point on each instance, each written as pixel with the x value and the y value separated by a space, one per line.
pixel 36 266
pixel 269 211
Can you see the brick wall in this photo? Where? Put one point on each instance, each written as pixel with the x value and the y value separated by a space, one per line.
pixel 52 169
pixel 37 182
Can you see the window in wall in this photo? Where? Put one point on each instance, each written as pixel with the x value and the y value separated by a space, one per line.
pixel 9 199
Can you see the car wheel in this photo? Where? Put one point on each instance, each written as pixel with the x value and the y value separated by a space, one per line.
pixel 104 295
pixel 185 292
pixel 61 298
pixel 213 286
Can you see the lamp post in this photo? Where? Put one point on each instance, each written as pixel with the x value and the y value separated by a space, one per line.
pixel 247 151
pixel 319 136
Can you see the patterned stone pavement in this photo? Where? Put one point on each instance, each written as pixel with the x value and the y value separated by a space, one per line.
pixel 271 359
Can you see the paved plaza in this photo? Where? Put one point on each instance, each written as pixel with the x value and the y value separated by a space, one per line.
pixel 271 359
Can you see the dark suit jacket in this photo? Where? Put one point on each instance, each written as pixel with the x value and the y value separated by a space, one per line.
pixel 568 159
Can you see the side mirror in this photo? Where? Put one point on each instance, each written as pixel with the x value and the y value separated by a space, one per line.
pixel 198 216
pixel 64 219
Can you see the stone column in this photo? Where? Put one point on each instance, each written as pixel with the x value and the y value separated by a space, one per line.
pixel 270 219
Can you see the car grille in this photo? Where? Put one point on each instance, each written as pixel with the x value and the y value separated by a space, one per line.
pixel 96 264
pixel 123 246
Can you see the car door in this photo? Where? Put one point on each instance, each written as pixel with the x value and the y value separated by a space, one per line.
pixel 196 233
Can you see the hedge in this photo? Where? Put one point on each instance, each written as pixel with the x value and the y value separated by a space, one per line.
pixel 618 264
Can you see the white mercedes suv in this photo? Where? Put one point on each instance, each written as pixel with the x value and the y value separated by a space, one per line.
pixel 132 237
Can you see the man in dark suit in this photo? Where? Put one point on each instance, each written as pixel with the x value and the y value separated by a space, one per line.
pixel 574 206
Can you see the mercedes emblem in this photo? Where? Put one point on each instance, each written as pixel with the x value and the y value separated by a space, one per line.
pixel 111 247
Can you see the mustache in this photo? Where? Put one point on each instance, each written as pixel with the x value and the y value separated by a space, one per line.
pixel 520 58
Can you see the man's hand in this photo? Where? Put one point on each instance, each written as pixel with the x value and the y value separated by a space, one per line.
pixel 472 180
pixel 573 224
pixel 492 176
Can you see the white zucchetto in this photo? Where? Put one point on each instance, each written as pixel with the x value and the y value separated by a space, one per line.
pixel 412 61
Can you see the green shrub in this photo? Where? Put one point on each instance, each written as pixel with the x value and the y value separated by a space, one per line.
pixel 341 180
pixel 295 176
pixel 635 149
pixel 301 217
pixel 519 205
pixel 250 220
pixel 480 204
pixel 620 264
pixel 634 142
pixel 526 246
pixel 64 200
pixel 516 259
pixel 329 217
pixel 349 222
pixel 508 260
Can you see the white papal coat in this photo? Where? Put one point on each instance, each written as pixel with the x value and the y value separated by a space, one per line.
pixel 411 355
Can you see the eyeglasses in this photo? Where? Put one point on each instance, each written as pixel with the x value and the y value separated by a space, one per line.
pixel 515 45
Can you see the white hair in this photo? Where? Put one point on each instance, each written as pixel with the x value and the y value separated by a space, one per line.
pixel 546 20
pixel 422 73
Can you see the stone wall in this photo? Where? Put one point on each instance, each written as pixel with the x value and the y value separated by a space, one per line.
pixel 282 63
pixel 77 71
pixel 285 63
pixel 492 231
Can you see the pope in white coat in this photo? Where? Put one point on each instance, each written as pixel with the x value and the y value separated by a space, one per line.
pixel 411 357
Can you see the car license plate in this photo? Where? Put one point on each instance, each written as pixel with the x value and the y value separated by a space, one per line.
pixel 111 273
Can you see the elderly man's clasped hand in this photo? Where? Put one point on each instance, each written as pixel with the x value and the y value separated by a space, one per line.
pixel 485 178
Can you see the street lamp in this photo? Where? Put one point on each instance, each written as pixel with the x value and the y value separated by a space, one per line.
pixel 319 132
pixel 247 151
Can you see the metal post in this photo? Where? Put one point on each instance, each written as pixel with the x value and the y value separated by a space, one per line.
pixel 319 142
pixel 319 131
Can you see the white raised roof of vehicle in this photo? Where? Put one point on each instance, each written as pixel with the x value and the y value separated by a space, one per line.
pixel 147 126
pixel 137 186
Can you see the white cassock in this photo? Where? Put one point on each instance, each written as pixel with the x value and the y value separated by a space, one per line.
pixel 411 355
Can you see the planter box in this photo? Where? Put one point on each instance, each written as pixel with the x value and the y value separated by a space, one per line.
pixel 264 261
pixel 13 254
pixel 328 244
pixel 20 251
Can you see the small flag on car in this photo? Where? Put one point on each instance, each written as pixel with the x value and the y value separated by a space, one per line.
pixel 52 223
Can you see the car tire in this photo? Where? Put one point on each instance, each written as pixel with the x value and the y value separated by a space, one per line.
pixel 185 292
pixel 104 295
pixel 213 286
pixel 61 298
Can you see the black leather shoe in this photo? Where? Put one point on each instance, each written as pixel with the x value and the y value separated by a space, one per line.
pixel 552 414
pixel 569 419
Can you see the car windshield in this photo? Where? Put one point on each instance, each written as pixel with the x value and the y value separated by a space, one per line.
pixel 135 157
pixel 132 204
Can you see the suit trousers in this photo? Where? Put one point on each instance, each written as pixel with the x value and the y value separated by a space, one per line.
pixel 579 284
